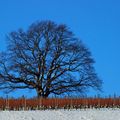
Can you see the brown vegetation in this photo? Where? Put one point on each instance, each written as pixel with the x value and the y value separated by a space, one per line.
pixel 58 103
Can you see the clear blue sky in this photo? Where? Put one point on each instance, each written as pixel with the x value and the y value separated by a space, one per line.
pixel 95 22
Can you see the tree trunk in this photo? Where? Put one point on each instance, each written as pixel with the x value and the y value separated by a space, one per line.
pixel 41 94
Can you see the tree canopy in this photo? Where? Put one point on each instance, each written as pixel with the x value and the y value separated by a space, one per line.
pixel 48 58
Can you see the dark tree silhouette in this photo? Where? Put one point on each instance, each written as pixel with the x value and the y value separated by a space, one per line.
pixel 48 58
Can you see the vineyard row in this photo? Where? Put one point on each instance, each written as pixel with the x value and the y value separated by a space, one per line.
pixel 57 103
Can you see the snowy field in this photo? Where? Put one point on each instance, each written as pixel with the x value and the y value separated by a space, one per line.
pixel 90 114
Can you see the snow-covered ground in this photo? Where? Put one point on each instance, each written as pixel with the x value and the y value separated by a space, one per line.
pixel 90 114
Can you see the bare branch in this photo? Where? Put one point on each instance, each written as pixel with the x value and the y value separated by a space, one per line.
pixel 48 58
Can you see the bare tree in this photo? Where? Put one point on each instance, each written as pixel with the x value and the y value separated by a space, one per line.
pixel 48 58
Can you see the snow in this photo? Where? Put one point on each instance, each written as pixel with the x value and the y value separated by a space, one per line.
pixel 89 114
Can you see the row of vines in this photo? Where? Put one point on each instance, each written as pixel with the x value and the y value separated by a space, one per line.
pixel 58 103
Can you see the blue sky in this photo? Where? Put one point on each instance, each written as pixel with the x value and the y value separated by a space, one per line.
pixel 95 22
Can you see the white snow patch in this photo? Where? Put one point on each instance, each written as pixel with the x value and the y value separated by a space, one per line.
pixel 89 114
